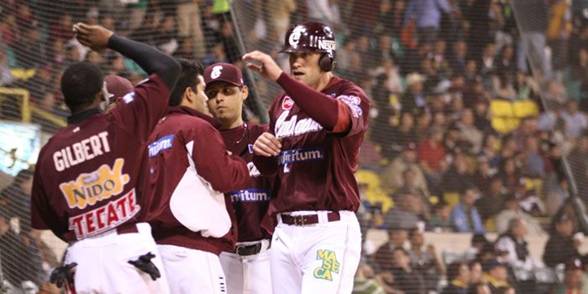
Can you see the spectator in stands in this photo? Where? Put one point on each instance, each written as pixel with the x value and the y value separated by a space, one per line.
pixel 365 281
pixel 20 265
pixel 514 244
pixel 578 161
pixel 404 133
pixel 575 120
pixel 533 160
pixel 508 171
pixel 561 246
pixel 166 38
pixel 492 200
pixel 441 218
pixel 406 277
pixel 465 216
pixel 190 26
pixel 397 238
pixel 496 274
pixel 6 77
pixel 410 186
pixel 392 174
pixel 414 98
pixel 573 278
pixel 31 49
pixel 431 154
pixel 17 196
pixel 469 131
pixel 424 259
pixel 512 210
pixel 458 177
pixel 427 15
pixel 458 279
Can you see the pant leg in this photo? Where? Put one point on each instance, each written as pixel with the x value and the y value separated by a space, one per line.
pixel 103 264
pixel 192 271
pixel 257 277
pixel 285 271
pixel 332 258
pixel 233 269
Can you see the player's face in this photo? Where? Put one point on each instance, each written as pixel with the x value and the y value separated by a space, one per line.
pixel 225 102
pixel 198 97
pixel 304 67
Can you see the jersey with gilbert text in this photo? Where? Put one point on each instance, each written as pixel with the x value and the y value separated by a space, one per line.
pixel 316 167
pixel 86 180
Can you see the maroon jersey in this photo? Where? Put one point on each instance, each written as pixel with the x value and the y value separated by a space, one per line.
pixel 315 166
pixel 250 203
pixel 86 181
pixel 189 170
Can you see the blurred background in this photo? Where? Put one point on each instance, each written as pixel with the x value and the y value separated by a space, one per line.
pixel 474 172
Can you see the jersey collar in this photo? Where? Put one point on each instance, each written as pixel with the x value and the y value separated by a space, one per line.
pixel 82 115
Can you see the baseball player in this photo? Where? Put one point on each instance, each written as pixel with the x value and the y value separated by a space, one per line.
pixel 86 187
pixel 316 129
pixel 247 266
pixel 189 170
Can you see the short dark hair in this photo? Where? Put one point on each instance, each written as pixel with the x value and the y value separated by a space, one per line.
pixel 453 270
pixel 190 70
pixel 80 83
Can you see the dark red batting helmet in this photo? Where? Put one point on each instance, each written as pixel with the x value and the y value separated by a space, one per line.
pixel 312 37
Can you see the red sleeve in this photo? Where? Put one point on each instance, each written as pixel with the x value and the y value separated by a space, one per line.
pixel 42 215
pixel 268 166
pixel 140 110
pixel 223 171
pixel 343 114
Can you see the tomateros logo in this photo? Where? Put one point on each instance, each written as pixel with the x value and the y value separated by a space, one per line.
pixel 89 188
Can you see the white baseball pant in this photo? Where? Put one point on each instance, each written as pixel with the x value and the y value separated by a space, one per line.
pixel 192 271
pixel 318 258
pixel 103 263
pixel 248 274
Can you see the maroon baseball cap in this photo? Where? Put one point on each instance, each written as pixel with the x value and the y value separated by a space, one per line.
pixel 117 87
pixel 223 72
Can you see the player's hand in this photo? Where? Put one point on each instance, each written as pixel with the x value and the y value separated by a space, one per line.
pixel 267 145
pixel 93 36
pixel 264 64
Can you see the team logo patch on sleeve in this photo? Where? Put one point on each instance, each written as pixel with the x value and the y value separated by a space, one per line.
pixel 287 103
pixel 329 265
pixel 353 102
pixel 160 144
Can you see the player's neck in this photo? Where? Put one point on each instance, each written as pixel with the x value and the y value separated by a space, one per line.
pixel 323 81
pixel 232 124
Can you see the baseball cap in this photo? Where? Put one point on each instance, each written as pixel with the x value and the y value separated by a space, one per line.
pixel 117 87
pixel 223 72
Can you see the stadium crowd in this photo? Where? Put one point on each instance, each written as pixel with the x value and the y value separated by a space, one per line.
pixel 460 139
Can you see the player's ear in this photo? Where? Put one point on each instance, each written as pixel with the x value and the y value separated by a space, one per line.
pixel 245 92
pixel 188 94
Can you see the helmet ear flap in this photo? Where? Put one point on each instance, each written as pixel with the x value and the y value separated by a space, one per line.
pixel 326 62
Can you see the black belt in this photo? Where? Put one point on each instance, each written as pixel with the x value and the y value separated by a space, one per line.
pixel 246 250
pixel 311 219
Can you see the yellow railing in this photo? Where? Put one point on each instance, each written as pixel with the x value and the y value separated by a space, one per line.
pixel 25 105
pixel 27 109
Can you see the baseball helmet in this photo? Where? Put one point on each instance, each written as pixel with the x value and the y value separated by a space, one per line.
pixel 312 37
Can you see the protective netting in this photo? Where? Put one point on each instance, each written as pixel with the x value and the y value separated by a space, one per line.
pixel 458 123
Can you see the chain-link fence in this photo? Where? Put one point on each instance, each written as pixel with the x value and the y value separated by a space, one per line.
pixel 465 144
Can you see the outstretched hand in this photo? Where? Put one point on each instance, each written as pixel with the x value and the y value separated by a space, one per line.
pixel 93 36
pixel 263 64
